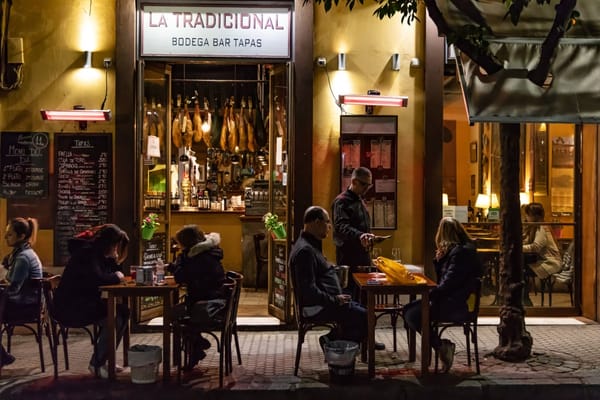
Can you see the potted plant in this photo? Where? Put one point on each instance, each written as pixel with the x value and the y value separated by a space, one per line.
pixel 149 225
pixel 273 225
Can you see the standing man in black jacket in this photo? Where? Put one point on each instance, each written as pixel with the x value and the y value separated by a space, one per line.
pixel 317 285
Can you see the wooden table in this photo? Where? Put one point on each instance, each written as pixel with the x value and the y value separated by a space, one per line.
pixel 130 289
pixel 385 287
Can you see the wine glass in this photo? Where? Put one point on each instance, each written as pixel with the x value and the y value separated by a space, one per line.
pixel 396 256
pixel 375 252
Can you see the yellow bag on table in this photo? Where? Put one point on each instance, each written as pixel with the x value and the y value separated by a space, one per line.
pixel 397 273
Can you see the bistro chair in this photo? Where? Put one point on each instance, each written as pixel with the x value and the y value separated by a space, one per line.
pixel 3 300
pixel 33 319
pixel 184 330
pixel 238 278
pixel 469 325
pixel 261 261
pixel 394 309
pixel 304 323
pixel 60 330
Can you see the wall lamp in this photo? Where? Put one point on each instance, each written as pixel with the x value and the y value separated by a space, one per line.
pixel 341 61
pixel 76 115
pixel 395 62
pixel 88 59
pixel 373 100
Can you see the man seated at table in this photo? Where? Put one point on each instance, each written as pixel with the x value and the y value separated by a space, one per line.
pixel 318 290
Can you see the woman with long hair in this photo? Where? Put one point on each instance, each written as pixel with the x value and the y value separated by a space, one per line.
pixel 538 239
pixel 96 257
pixel 22 264
pixel 458 268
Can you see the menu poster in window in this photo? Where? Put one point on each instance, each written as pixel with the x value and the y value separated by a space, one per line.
pixel 279 274
pixel 83 168
pixel 154 249
pixel 24 164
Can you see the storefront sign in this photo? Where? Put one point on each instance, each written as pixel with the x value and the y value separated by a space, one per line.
pixel 249 32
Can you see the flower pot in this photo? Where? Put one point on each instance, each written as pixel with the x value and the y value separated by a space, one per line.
pixel 147 233
pixel 279 232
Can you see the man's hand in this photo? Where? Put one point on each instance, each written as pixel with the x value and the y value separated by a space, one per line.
pixel 120 275
pixel 343 299
pixel 366 239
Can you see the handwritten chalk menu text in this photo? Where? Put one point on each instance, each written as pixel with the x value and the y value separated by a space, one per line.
pixel 83 186
pixel 24 164
pixel 154 249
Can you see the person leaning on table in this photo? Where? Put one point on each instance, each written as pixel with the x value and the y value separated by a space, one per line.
pixel 319 292
pixel 538 239
pixel 22 264
pixel 458 267
pixel 96 257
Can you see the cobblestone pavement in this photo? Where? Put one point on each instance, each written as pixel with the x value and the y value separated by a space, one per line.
pixel 565 364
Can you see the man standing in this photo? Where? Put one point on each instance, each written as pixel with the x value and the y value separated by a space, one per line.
pixel 318 289
pixel 352 227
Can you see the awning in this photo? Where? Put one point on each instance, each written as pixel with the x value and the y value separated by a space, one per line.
pixel 573 96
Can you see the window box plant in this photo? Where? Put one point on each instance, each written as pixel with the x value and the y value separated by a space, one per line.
pixel 149 225
pixel 273 225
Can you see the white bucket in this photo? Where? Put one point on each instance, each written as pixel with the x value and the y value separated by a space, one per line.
pixel 144 360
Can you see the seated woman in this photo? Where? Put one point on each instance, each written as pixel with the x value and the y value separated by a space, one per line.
pixel 22 264
pixel 199 267
pixel 538 239
pixel 96 257
pixel 457 267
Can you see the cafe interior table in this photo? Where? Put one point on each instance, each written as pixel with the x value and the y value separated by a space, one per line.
pixel 383 287
pixel 129 289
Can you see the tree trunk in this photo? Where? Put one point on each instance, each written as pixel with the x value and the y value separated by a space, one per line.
pixel 514 342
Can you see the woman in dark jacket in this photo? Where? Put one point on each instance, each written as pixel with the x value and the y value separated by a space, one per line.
pixel 96 257
pixel 458 268
pixel 22 264
pixel 199 268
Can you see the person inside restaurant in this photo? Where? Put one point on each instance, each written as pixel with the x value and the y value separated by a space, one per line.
pixel 199 268
pixel 21 264
pixel 95 260
pixel 458 268
pixel 538 239
pixel 319 293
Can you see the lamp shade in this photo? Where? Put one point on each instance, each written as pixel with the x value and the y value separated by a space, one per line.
pixel 483 201
pixel 495 203
pixel 444 199
pixel 524 198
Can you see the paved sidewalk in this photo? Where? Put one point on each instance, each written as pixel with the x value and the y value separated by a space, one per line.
pixel 565 365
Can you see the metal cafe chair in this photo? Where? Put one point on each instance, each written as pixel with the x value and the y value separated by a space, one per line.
pixel 469 325
pixel 261 261
pixel 33 320
pixel 238 278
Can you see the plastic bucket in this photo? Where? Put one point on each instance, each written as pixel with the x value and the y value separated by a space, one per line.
pixel 341 357
pixel 144 360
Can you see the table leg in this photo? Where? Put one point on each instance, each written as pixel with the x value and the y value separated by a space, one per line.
pixel 371 332
pixel 167 306
pixel 110 330
pixel 126 341
pixel 412 338
pixel 425 330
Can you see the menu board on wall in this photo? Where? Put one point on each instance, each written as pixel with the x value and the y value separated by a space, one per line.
pixel 154 249
pixel 83 168
pixel 24 164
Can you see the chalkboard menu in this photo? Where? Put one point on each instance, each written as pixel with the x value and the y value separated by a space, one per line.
pixel 83 167
pixel 280 281
pixel 24 164
pixel 154 249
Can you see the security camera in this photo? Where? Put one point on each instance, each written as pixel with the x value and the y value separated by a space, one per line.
pixel 321 61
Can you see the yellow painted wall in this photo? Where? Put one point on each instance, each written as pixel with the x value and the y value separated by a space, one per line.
pixel 369 44
pixel 55 33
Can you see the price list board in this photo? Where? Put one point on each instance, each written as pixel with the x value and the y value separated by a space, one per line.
pixel 83 167
pixel 24 164
pixel 279 302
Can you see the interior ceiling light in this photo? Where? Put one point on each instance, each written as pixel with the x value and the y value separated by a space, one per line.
pixel 76 115
pixel 374 100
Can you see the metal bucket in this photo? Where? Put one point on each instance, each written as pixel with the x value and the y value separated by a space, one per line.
pixel 342 273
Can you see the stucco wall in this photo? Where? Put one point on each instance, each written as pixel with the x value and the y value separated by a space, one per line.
pixel 369 44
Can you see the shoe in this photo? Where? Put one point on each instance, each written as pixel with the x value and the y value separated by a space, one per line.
pixel 7 359
pixel 195 358
pixel 323 341
pixel 102 371
pixel 446 353
pixel 379 346
pixel 203 343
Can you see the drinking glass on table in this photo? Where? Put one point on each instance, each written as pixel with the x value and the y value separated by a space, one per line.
pixel 396 256
pixel 375 252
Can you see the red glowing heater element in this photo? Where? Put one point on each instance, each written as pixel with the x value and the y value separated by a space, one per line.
pixel 76 115
pixel 374 100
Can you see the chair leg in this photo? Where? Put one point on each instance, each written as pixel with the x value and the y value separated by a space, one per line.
pixel 476 348
pixel 467 331
pixel 394 320
pixel 570 287
pixel 237 345
pixel 65 335
pixel 301 333
pixel 38 337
